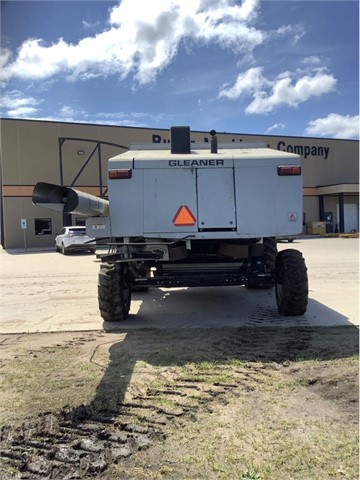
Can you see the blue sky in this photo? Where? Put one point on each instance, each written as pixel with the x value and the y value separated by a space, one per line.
pixel 250 66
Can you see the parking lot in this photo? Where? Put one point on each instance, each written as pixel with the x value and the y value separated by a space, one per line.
pixel 46 291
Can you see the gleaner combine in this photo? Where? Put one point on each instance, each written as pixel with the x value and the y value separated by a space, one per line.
pixel 193 216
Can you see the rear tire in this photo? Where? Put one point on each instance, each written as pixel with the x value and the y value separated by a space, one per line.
pixel 114 291
pixel 291 283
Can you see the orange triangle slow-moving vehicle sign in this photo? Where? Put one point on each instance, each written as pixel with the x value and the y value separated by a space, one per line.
pixel 183 217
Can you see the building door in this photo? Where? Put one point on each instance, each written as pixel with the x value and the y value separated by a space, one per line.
pixel 351 214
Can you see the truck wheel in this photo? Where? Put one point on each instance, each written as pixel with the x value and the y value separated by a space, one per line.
pixel 114 291
pixel 291 283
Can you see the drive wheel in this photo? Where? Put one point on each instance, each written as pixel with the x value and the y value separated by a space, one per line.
pixel 114 291
pixel 291 283
pixel 63 249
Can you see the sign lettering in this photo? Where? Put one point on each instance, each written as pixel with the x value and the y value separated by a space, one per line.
pixel 196 163
pixel 304 150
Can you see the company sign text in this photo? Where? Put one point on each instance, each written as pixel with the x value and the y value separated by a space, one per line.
pixel 304 150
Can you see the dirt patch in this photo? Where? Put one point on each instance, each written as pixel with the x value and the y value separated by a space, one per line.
pixel 247 403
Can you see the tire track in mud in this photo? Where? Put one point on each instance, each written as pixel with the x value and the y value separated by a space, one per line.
pixel 82 443
pixel 264 344
pixel 79 443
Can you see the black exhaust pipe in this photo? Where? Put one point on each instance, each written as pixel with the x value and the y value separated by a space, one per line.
pixel 213 142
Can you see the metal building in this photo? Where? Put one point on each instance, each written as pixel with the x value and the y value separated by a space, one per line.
pixel 74 154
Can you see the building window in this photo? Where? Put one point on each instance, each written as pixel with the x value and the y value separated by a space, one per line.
pixel 43 226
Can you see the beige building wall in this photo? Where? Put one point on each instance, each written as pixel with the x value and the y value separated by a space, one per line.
pixel 30 152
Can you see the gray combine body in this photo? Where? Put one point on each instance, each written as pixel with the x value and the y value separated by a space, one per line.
pixel 191 214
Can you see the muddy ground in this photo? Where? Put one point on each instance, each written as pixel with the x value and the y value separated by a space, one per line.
pixel 229 403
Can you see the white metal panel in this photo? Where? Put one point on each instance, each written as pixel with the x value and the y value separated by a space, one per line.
pixel 165 191
pixel 216 198
pixel 126 205
pixel 266 204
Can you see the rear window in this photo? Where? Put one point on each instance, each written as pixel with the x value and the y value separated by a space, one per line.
pixel 78 231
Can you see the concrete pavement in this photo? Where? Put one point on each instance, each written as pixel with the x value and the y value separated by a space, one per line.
pixel 49 292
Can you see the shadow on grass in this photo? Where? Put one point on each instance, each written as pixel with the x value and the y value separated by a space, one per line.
pixel 179 347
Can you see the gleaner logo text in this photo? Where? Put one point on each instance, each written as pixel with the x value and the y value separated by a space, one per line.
pixel 196 163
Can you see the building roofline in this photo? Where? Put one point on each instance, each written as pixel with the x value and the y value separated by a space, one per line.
pixel 168 129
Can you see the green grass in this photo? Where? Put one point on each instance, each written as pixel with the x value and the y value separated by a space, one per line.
pixel 46 382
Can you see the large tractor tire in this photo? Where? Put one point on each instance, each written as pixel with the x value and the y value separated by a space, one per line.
pixel 291 283
pixel 114 291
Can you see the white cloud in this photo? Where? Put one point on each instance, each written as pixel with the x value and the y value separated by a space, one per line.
pixel 5 57
pixel 134 119
pixel 276 126
pixel 312 60
pixel 22 112
pixel 250 81
pixel 90 26
pixel 284 90
pixel 15 104
pixel 335 126
pixel 142 39
pixel 66 111
pixel 296 32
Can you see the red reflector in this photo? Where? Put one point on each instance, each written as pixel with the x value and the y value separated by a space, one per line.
pixel 284 170
pixel 117 174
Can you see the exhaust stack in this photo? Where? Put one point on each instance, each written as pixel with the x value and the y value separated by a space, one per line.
pixel 68 200
pixel 214 142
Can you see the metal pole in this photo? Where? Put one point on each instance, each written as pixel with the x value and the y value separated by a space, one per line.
pixel 321 208
pixel 341 213
pixel 61 141
pixel 100 172
pixel 24 230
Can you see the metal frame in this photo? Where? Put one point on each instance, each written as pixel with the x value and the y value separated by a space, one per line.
pixel 99 143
